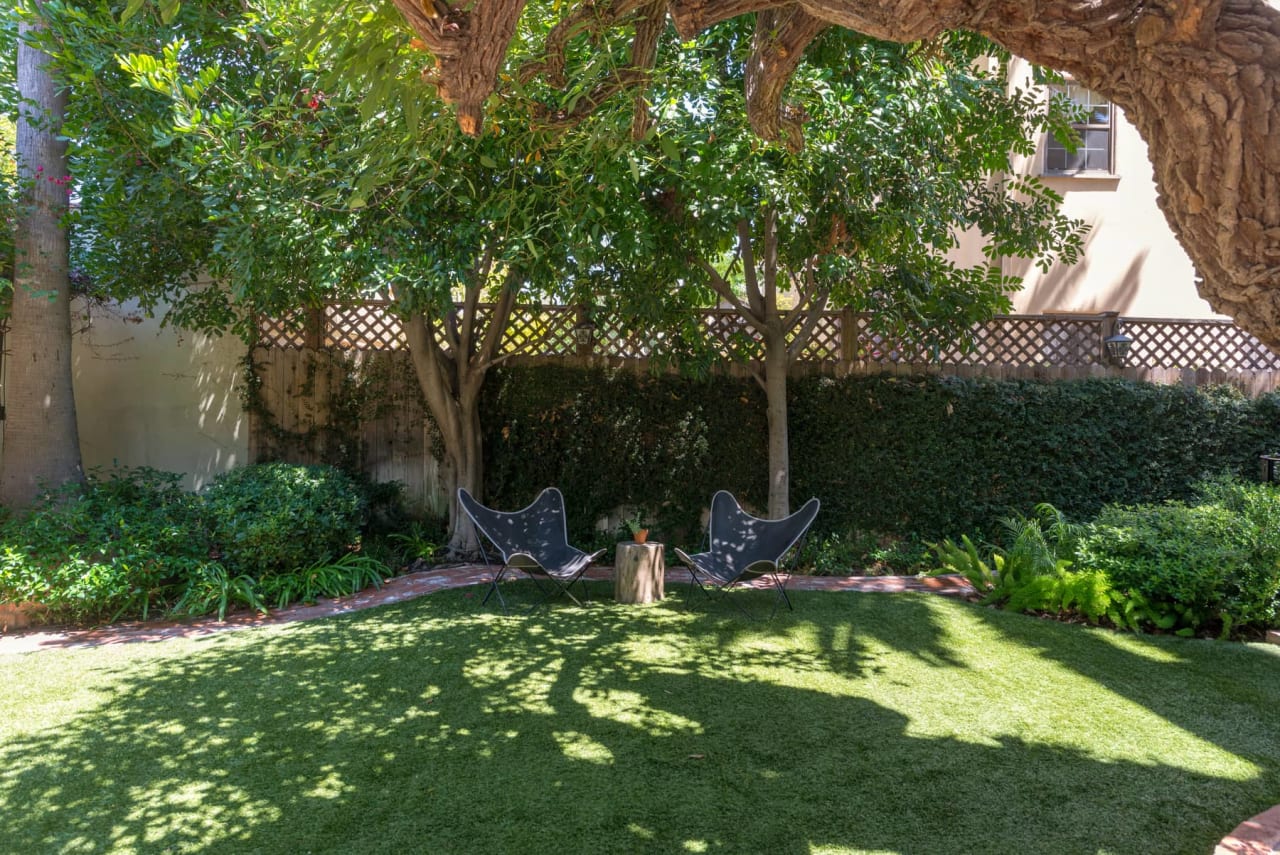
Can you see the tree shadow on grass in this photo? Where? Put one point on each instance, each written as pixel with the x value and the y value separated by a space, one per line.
pixel 429 727
pixel 1212 689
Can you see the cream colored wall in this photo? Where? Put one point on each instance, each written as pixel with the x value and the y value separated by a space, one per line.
pixel 158 397
pixel 1132 262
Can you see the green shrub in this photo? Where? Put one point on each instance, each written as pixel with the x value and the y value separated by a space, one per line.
pixel 1213 565
pixel 921 457
pixel 119 545
pixel 277 517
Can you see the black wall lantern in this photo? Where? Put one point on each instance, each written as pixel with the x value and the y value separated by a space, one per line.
pixel 1117 346
pixel 584 332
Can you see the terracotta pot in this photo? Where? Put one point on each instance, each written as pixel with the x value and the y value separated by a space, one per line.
pixel 641 535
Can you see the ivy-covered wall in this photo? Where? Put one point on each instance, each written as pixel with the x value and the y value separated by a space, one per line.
pixel 930 456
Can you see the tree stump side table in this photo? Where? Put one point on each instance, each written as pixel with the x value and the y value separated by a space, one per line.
pixel 638 570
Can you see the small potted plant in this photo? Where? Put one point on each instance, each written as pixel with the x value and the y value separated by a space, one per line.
pixel 639 530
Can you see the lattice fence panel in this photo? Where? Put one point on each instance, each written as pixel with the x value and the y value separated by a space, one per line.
pixel 362 326
pixel 540 331
pixel 1196 344
pixel 731 335
pixel 615 339
pixel 1030 341
pixel 1010 341
pixel 286 333
pixel 824 344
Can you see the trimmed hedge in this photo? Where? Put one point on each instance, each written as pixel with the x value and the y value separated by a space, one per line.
pixel 913 456
pixel 664 443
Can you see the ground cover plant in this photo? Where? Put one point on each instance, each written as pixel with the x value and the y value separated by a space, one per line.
pixel 131 543
pixel 857 723
pixel 1209 566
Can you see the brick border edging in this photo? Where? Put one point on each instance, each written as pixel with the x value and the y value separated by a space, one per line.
pixel 407 587
pixel 1259 835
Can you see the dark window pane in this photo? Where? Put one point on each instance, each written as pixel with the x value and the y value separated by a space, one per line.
pixel 1096 139
pixel 1098 160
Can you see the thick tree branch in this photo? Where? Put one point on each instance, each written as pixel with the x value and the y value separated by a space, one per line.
pixel 644 53
pixel 780 39
pixel 770 261
pixel 589 17
pixel 806 317
pixel 469 44
pixel 498 321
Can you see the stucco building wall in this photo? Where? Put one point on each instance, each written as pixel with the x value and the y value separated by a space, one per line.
pixel 1132 262
pixel 158 397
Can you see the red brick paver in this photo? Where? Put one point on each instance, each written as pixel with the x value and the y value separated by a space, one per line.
pixel 1257 836
pixel 408 587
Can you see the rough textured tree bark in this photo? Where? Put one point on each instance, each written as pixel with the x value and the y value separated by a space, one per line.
pixel 451 377
pixel 41 440
pixel 1199 78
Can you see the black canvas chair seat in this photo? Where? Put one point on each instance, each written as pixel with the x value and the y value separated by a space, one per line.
pixel 745 547
pixel 534 540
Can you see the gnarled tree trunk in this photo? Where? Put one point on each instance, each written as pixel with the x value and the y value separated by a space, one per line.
pixel 41 440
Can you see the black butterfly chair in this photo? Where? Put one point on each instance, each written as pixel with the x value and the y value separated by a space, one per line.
pixel 534 539
pixel 744 547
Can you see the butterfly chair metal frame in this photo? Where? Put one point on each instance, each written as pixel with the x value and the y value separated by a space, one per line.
pixel 535 540
pixel 744 547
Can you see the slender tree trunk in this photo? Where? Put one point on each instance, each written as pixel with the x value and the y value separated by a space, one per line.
pixel 776 363
pixel 451 391
pixel 41 440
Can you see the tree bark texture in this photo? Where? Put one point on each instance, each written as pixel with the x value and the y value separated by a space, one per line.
pixel 638 573
pixel 469 42
pixel 452 395
pixel 776 363
pixel 1200 79
pixel 451 377
pixel 41 440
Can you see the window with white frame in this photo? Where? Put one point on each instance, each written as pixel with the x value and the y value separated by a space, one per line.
pixel 1093 152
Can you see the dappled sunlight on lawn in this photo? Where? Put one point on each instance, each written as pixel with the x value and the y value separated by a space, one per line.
pixel 855 724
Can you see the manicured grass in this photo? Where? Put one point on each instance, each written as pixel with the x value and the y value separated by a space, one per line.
pixel 859 723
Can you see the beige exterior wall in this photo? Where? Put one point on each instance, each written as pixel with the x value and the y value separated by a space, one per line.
pixel 158 397
pixel 1132 263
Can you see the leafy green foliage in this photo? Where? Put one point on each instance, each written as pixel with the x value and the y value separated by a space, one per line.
pixel 1187 568
pixel 133 543
pixel 325 578
pixel 278 517
pixel 1214 564
pixel 917 457
pixel 606 439
pixel 938 455
pixel 211 590
pixel 120 545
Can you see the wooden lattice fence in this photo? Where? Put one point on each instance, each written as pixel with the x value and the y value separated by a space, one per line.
pixel 843 339
pixel 307 365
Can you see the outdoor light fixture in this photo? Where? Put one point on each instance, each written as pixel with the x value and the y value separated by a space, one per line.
pixel 584 332
pixel 1118 346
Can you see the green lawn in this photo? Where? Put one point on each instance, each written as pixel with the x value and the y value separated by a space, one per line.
pixel 858 723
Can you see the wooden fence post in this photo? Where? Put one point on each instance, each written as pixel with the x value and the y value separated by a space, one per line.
pixel 848 339
pixel 313 329
pixel 1106 329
